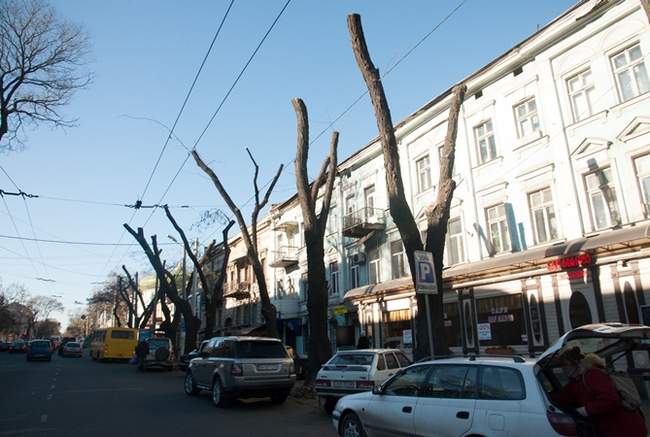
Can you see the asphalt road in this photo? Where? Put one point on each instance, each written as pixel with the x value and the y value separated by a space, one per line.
pixel 81 397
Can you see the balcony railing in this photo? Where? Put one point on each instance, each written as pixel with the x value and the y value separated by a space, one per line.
pixel 363 221
pixel 237 290
pixel 287 256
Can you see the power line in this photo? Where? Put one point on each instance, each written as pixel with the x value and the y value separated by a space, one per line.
pixel 79 243
pixel 187 97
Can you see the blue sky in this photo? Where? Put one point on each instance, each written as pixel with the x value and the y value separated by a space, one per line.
pixel 144 56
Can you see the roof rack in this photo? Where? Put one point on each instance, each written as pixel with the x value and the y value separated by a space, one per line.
pixel 473 357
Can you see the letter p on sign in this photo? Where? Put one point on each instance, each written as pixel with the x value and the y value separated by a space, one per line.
pixel 425 277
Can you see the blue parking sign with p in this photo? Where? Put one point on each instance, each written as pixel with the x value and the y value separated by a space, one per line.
pixel 425 276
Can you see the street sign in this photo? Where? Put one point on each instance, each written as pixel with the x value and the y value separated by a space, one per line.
pixel 425 274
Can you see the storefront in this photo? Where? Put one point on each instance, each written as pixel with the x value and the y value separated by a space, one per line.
pixel 522 302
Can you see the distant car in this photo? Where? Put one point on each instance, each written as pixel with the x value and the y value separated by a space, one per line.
pixel 18 346
pixel 71 349
pixel 238 367
pixel 39 350
pixel 65 340
pixel 356 371
pixel 185 359
pixel 160 354
pixel 4 346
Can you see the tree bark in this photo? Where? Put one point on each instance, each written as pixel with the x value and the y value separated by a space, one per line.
pixel 318 347
pixel 268 309
pixel 142 320
pixel 438 216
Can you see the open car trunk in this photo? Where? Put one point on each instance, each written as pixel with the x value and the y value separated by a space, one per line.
pixel 625 348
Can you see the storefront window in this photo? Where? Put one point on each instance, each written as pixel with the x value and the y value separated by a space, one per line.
pixel 579 312
pixel 535 319
pixel 452 324
pixel 395 323
pixel 501 320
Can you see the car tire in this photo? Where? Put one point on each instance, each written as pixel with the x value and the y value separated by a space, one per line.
pixel 328 405
pixel 218 396
pixel 189 385
pixel 351 426
pixel 279 397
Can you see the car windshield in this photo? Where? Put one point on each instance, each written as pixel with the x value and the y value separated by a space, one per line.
pixel 40 344
pixel 352 359
pixel 260 349
pixel 155 343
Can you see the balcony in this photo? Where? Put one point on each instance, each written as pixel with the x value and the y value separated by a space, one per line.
pixel 363 221
pixel 287 256
pixel 237 290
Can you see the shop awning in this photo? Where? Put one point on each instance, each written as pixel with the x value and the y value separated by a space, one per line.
pixel 368 290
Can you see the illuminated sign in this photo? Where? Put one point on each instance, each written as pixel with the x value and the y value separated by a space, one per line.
pixel 570 262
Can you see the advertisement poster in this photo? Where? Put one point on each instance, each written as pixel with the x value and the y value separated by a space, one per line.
pixel 484 331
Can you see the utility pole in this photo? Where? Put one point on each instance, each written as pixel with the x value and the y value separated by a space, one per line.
pixel 155 306
pixel 135 297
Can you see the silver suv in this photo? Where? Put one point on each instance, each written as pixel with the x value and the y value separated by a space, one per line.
pixel 238 367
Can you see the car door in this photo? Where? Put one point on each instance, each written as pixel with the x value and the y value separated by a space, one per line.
pixel 391 412
pixel 200 366
pixel 445 405
pixel 500 394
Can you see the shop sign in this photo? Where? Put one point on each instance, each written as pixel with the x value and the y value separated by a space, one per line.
pixel 570 262
pixel 339 310
pixel 484 332
pixel 501 318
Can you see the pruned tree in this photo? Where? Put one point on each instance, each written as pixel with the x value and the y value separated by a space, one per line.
pixel 40 59
pixel 250 238
pixel 212 295
pixel 319 349
pixel 168 288
pixel 438 213
pixel 140 320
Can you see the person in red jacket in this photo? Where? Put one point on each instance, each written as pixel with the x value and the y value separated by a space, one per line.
pixel 592 394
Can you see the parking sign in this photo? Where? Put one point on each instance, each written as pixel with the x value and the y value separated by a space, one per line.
pixel 425 274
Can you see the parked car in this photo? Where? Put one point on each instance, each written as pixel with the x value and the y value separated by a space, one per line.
pixel 238 367
pixel 161 355
pixel 39 350
pixel 185 359
pixel 486 395
pixel 4 346
pixel 18 346
pixel 356 371
pixel 64 341
pixel 71 349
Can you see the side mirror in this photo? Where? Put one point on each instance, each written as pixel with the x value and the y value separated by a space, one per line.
pixel 378 390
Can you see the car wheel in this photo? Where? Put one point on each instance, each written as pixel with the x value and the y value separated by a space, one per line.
pixel 190 386
pixel 351 426
pixel 279 397
pixel 219 398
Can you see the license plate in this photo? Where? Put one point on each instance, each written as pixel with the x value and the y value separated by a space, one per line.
pixel 343 384
pixel 267 367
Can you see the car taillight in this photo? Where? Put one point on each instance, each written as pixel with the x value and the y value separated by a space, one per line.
pixel 368 385
pixel 236 370
pixel 561 423
pixel 322 383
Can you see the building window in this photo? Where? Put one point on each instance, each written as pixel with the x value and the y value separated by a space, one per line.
pixel 397 259
pixel 497 222
pixel 333 220
pixel 374 267
pixel 601 195
pixel 642 166
pixel 505 317
pixel 543 215
pixel 485 143
pixel 581 90
pixel 454 246
pixel 423 171
pixel 354 273
pixel 630 72
pixel 527 118
pixel 334 278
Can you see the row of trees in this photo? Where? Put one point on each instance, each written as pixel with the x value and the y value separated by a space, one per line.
pixel 24 315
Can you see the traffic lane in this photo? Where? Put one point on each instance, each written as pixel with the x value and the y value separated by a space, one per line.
pixel 26 389
pixel 98 399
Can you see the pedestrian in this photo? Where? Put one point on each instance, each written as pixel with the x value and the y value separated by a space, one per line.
pixel 141 351
pixel 593 395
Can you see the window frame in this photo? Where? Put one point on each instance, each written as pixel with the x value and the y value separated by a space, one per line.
pixel 460 237
pixel 465 393
pixel 584 90
pixel 590 205
pixel 374 263
pixel 420 171
pixel 479 382
pixel 529 116
pixel 628 67
pixel 334 278
pixel 354 274
pixel 501 248
pixel 401 256
pixel 543 206
pixel 638 177
pixel 485 136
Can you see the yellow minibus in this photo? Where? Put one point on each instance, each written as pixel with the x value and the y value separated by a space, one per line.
pixel 113 343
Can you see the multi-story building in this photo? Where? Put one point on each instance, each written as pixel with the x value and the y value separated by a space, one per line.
pixel 548 227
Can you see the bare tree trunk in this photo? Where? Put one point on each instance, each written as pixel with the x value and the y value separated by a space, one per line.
pixel 438 216
pixel 319 347
pixel 250 238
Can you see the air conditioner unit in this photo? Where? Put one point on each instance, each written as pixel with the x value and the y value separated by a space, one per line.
pixel 358 258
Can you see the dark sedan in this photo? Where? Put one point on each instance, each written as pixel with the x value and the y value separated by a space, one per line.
pixel 18 346
pixel 39 350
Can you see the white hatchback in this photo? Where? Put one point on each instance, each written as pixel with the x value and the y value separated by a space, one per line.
pixel 355 371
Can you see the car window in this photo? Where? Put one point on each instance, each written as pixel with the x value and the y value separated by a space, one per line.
pixel 39 344
pixel 391 361
pixel 381 364
pixel 260 349
pixel 224 349
pixel 451 381
pixel 501 383
pixel 71 344
pixel 352 359
pixel 407 383
pixel 124 335
pixel 403 361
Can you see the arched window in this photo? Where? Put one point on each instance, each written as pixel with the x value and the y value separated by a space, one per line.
pixel 579 311
pixel 631 306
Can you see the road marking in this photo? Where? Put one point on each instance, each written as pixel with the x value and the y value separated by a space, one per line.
pixel 49 397
pixel 52 388
pixel 43 418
